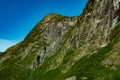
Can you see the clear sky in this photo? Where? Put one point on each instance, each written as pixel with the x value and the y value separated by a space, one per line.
pixel 18 17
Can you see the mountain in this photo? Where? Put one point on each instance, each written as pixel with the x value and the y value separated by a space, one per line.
pixel 85 47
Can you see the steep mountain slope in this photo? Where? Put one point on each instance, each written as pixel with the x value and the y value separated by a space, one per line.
pixel 86 47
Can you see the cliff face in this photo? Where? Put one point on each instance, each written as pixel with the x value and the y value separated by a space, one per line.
pixel 69 48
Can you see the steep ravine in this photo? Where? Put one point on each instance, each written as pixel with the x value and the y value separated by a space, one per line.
pixel 86 47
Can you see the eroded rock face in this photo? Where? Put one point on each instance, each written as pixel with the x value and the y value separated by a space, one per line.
pixel 59 42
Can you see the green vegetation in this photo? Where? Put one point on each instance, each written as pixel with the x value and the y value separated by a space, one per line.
pixel 115 35
pixel 12 70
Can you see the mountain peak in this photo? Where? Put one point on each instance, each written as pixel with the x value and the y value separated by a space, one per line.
pixel 51 16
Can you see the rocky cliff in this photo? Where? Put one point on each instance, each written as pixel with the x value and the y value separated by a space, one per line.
pixel 85 47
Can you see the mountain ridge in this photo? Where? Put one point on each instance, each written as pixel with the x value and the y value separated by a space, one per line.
pixel 69 48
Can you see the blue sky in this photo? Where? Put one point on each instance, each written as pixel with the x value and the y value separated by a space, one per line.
pixel 18 17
